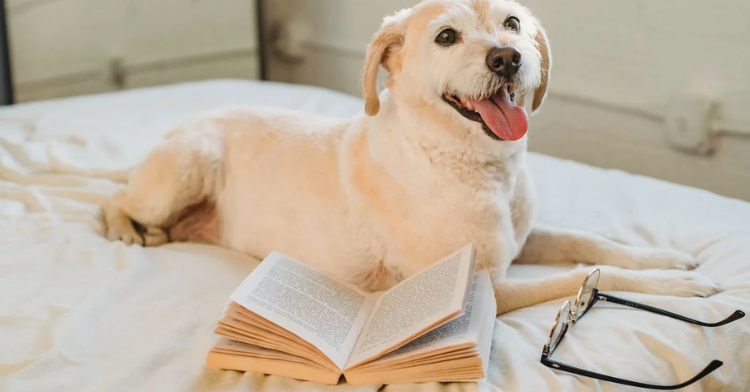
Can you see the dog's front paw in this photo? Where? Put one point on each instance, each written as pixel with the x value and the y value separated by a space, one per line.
pixel 666 258
pixel 683 284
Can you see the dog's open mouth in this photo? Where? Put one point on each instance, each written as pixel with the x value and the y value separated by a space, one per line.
pixel 501 119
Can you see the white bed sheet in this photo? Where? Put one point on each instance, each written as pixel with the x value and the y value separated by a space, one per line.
pixel 80 313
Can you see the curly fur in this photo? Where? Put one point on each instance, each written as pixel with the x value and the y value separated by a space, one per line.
pixel 378 197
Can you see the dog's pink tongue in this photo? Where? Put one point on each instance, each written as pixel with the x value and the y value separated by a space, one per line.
pixel 507 121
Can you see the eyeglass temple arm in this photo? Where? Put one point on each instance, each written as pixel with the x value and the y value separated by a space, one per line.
pixel 715 364
pixel 738 314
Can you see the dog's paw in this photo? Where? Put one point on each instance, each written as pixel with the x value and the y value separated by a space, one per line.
pixel 120 227
pixel 666 258
pixel 155 236
pixel 125 233
pixel 682 284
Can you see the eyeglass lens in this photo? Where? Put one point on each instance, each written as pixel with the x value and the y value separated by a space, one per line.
pixel 586 294
pixel 563 317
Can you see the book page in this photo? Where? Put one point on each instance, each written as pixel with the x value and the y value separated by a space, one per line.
pixel 420 302
pixel 231 346
pixel 228 354
pixel 465 330
pixel 325 313
pixel 487 330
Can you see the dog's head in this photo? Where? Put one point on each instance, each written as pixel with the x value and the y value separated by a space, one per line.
pixel 470 62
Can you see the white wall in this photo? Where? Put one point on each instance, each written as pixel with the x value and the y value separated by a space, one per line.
pixel 617 67
pixel 70 47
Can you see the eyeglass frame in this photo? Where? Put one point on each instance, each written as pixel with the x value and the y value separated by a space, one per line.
pixel 572 315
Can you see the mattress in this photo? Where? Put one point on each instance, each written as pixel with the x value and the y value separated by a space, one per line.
pixel 80 313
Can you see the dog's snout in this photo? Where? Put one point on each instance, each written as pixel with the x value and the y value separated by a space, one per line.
pixel 504 60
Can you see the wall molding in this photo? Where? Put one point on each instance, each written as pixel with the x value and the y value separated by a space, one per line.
pixel 117 69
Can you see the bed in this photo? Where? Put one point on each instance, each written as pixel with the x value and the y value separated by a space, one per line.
pixel 80 313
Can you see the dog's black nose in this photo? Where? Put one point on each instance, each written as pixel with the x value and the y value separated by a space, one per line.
pixel 504 60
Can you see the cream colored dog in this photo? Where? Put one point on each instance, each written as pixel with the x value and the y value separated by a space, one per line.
pixel 438 160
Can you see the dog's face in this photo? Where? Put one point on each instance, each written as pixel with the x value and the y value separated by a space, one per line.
pixel 469 61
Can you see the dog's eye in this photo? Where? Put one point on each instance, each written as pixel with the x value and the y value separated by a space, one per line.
pixel 446 37
pixel 512 23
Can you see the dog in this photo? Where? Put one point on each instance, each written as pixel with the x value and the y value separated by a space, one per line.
pixel 437 160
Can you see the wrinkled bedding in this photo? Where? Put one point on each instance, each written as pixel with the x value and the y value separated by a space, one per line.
pixel 80 313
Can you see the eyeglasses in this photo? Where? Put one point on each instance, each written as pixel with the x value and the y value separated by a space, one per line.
pixel 588 295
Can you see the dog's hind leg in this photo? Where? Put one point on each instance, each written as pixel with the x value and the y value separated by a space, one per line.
pixel 556 246
pixel 183 171
pixel 512 294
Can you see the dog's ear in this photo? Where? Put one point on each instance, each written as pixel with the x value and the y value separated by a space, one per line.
pixel 546 65
pixel 386 42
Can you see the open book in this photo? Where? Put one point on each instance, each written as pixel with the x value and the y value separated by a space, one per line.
pixel 290 320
